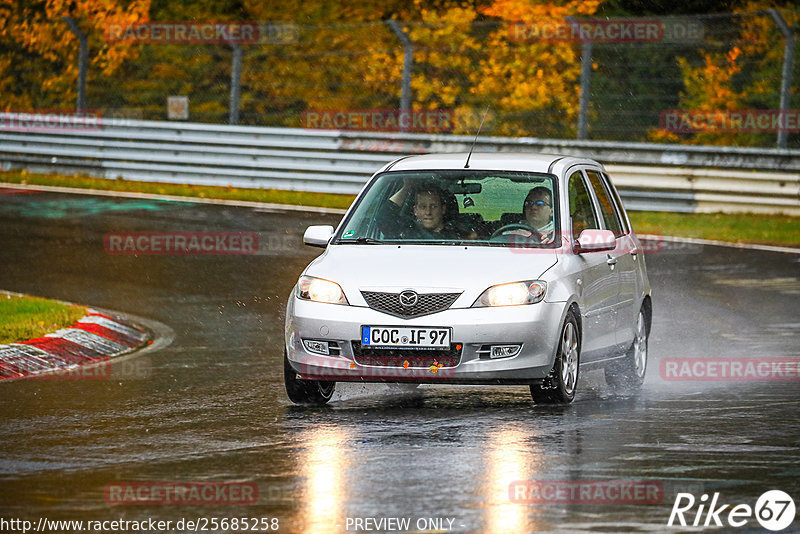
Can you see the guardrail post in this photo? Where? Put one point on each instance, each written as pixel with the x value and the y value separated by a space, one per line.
pixel 236 83
pixel 786 77
pixel 586 84
pixel 83 61
pixel 408 62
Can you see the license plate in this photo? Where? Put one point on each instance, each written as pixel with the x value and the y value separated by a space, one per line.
pixel 408 337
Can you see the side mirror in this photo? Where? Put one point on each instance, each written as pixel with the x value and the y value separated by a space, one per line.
pixel 318 236
pixel 595 241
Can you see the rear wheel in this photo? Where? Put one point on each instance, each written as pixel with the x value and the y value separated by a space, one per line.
pixel 317 392
pixel 628 373
pixel 559 386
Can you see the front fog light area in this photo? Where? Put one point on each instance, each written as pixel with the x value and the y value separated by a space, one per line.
pixel 322 347
pixel 498 351
pixel 504 351
pixel 316 347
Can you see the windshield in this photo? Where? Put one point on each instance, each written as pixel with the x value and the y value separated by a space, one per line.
pixel 489 208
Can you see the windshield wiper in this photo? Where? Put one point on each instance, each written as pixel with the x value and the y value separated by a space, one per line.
pixel 434 242
pixel 363 241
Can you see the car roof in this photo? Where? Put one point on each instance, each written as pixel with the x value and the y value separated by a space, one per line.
pixel 486 161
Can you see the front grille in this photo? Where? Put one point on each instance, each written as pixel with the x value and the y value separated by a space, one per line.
pixel 427 303
pixel 416 357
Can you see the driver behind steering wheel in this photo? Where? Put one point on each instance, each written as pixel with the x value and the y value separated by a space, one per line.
pixel 537 211
pixel 429 211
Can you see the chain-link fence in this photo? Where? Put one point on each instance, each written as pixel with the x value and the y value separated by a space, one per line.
pixel 705 79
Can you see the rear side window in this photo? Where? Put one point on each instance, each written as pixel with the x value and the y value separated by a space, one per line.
pixel 625 225
pixel 580 205
pixel 607 206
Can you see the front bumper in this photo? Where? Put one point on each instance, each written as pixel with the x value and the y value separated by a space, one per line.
pixel 535 327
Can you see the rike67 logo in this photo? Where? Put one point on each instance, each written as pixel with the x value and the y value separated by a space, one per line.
pixel 774 511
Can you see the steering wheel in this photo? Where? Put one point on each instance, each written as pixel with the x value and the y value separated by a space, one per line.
pixel 517 226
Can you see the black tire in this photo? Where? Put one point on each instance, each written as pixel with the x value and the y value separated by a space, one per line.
pixel 627 374
pixel 560 385
pixel 316 392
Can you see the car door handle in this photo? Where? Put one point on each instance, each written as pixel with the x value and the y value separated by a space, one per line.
pixel 611 261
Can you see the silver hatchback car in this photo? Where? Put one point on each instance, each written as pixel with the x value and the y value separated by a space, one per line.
pixel 497 269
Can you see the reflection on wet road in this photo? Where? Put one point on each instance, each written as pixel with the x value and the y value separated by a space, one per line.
pixel 211 406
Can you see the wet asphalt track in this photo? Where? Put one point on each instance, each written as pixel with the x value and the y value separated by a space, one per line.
pixel 211 406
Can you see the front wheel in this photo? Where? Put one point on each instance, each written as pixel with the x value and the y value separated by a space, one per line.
pixel 317 392
pixel 559 386
pixel 628 373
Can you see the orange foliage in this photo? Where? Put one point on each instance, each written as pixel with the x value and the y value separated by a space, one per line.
pixel 712 86
pixel 39 30
pixel 537 76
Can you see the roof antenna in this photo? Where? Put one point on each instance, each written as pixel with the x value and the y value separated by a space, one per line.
pixel 466 165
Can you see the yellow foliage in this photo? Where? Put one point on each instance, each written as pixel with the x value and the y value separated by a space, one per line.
pixel 41 31
pixel 712 85
pixel 523 77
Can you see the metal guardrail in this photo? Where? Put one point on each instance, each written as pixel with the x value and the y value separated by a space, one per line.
pixel 649 176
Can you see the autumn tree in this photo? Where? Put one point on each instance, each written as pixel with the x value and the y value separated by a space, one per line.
pixel 343 56
pixel 534 86
pixel 746 76
pixel 39 54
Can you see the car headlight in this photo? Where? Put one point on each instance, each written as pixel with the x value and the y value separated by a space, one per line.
pixel 513 294
pixel 319 290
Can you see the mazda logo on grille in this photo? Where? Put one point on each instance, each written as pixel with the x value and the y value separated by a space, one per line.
pixel 408 298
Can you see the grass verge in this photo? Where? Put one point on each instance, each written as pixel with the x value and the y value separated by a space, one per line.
pixel 780 230
pixel 275 196
pixel 24 317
